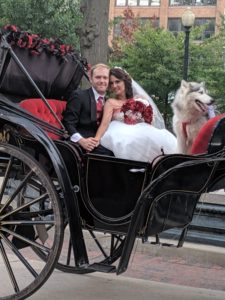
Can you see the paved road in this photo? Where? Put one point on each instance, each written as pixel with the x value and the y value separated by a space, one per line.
pixel 197 266
pixel 155 273
pixel 194 272
pixel 111 287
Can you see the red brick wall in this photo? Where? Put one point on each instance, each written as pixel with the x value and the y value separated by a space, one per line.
pixel 165 11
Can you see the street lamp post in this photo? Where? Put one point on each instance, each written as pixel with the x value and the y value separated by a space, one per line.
pixel 188 19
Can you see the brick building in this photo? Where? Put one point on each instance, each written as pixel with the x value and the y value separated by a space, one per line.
pixel 167 13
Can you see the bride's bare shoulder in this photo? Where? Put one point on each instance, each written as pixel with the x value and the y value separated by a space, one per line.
pixel 112 101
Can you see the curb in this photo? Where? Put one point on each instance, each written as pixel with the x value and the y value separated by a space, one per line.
pixel 190 252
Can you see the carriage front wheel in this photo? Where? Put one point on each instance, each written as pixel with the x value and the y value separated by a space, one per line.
pixel 29 205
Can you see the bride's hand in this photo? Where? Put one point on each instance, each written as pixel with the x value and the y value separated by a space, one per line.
pixel 88 143
pixel 97 142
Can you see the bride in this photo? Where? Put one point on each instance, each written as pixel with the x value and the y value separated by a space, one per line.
pixel 127 124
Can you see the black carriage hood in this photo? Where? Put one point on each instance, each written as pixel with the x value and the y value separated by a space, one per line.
pixel 56 68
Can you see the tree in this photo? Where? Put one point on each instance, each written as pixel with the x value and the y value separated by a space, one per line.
pixel 207 63
pixel 154 59
pixel 94 30
pixel 52 18
pixel 128 25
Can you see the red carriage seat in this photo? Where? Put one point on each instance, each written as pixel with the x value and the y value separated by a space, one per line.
pixel 37 107
pixel 204 136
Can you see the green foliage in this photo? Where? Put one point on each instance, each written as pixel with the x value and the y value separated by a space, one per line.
pixel 52 18
pixel 207 63
pixel 154 59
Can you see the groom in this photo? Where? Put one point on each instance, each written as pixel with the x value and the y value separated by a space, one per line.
pixel 84 109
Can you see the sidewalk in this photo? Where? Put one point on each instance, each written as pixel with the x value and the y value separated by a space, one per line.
pixel 193 265
pixel 111 287
pixel 191 252
pixel 194 272
pixel 197 266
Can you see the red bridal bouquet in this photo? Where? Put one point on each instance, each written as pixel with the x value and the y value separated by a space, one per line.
pixel 137 111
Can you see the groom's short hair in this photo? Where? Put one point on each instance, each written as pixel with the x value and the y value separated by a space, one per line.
pixel 100 65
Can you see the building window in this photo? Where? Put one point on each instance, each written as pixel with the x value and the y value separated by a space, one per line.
pixel 132 2
pixel 154 21
pixel 121 2
pixel 138 2
pixel 144 3
pixel 210 29
pixel 155 3
pixel 117 27
pixel 175 25
pixel 117 30
pixel 192 2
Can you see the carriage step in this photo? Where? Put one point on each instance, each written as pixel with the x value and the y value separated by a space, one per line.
pixel 102 268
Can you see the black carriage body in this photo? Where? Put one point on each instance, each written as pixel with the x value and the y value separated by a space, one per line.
pixel 106 188
pixel 114 195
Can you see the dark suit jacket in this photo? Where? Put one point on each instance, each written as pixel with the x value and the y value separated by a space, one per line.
pixel 80 113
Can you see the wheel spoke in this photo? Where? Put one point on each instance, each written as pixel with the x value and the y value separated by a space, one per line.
pixel 103 249
pixel 16 192
pixel 22 215
pixel 116 239
pixel 9 268
pixel 22 207
pixel 5 178
pixel 30 221
pixel 26 240
pixel 98 244
pixel 20 256
pixel 36 184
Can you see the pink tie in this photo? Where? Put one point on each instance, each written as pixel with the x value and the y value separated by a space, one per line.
pixel 99 109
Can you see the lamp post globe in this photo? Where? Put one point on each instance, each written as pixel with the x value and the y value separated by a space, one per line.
pixel 188 19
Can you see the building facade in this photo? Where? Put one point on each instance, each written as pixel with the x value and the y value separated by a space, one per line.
pixel 167 13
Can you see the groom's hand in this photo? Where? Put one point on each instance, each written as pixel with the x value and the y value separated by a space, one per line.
pixel 88 143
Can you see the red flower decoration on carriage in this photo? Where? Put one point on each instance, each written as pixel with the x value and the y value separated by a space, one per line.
pixel 137 111
pixel 36 44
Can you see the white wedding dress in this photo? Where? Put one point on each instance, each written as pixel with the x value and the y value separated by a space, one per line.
pixel 140 142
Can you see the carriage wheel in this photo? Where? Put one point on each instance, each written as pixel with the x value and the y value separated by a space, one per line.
pixel 28 206
pixel 103 248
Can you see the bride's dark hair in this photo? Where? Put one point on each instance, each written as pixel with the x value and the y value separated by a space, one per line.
pixel 125 77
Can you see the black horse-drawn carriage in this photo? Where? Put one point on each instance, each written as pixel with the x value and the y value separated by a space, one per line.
pixel 80 212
